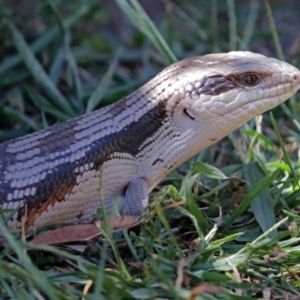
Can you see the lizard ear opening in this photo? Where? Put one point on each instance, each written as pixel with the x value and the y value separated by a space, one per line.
pixel 188 114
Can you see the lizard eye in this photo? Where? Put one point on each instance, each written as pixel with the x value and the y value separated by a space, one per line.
pixel 189 114
pixel 250 79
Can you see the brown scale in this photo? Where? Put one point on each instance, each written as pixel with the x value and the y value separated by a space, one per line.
pixel 34 211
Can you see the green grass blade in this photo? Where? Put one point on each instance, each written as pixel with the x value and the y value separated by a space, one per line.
pixel 12 114
pixel 285 154
pixel 39 279
pixel 269 232
pixel 141 20
pixel 38 72
pixel 214 25
pixel 207 170
pixel 48 37
pixel 168 229
pixel 44 104
pixel 274 30
pixel 77 99
pixel 232 25
pixel 261 205
pixel 186 193
pixel 98 94
pixel 186 18
pixel 250 26
pixel 252 193
pixel 56 67
pixel 55 11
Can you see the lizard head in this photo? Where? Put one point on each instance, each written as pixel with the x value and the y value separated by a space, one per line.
pixel 214 94
pixel 204 98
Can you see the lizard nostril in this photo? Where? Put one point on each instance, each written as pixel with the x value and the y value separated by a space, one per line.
pixel 296 77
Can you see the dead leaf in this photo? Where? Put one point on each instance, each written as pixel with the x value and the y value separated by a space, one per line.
pixel 205 288
pixel 85 232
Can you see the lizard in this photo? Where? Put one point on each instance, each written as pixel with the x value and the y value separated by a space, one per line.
pixel 52 176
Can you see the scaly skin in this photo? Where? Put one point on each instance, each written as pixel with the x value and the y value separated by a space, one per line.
pixel 53 175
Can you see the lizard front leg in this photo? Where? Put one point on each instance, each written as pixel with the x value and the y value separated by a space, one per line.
pixel 136 197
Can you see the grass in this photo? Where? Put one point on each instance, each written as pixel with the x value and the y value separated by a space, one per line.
pixel 243 242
